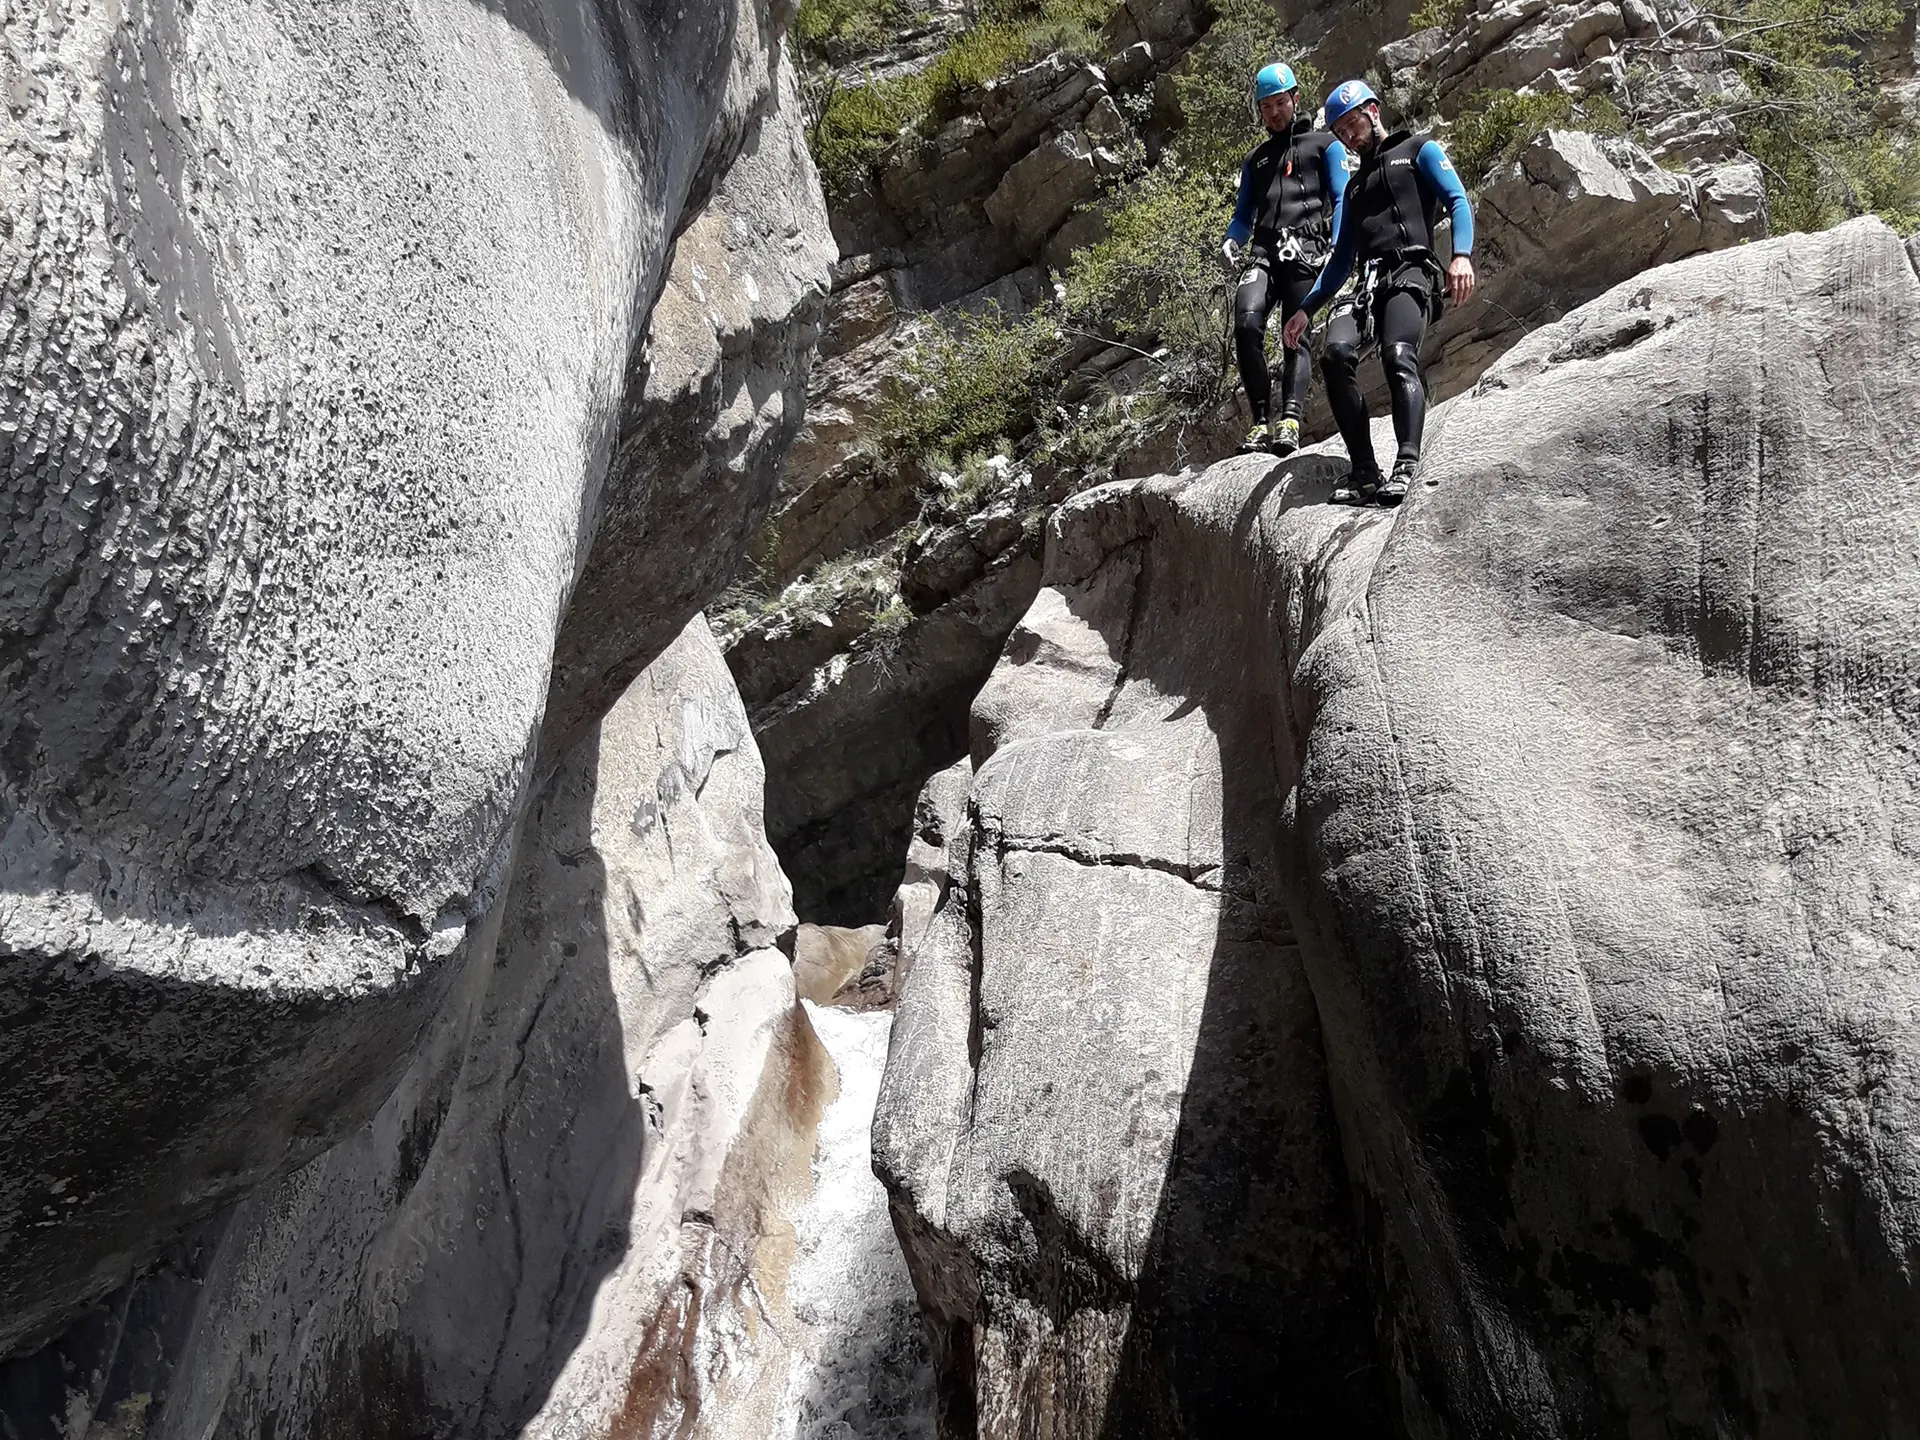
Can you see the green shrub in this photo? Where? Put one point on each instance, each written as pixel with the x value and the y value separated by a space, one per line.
pixel 970 387
pixel 1497 125
pixel 1156 277
pixel 1214 86
pixel 1090 438
pixel 821 27
pixel 854 124
pixel 1809 115
pixel 1441 14
pixel 857 123
pixel 1011 34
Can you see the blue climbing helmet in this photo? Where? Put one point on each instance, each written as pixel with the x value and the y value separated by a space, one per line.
pixel 1273 80
pixel 1348 95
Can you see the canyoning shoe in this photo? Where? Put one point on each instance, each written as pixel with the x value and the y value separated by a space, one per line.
pixel 1285 437
pixel 1358 488
pixel 1394 489
pixel 1256 439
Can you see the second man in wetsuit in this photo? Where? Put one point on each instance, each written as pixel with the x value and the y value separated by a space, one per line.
pixel 1387 223
pixel 1288 209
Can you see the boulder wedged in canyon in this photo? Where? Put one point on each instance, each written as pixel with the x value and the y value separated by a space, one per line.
pixel 1499 911
pixel 319 339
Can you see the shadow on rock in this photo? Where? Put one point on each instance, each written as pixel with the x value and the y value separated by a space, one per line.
pixel 1252 1314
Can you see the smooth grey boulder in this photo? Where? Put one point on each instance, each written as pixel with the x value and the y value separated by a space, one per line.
pixel 1582 788
pixel 318 340
pixel 583 1178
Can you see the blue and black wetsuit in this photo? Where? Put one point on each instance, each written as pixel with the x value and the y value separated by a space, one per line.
pixel 1290 187
pixel 1388 218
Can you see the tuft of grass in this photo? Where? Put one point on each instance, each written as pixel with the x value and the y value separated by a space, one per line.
pixel 1438 14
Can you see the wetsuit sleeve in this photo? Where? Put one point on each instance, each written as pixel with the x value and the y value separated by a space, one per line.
pixel 1437 171
pixel 1339 265
pixel 1240 229
pixel 1336 170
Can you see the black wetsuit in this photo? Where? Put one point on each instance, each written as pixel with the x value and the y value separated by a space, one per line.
pixel 1290 186
pixel 1389 214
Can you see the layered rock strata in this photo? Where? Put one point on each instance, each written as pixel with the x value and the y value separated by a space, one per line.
pixel 322 347
pixel 970 218
pixel 1493 913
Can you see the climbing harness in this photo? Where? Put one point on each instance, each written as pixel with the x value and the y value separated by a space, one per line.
pixel 1416 270
pixel 1293 250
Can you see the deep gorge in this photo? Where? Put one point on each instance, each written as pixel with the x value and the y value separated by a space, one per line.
pixel 567 872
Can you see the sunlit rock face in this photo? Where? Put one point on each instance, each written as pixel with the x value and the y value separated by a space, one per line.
pixel 321 356
pixel 1481 929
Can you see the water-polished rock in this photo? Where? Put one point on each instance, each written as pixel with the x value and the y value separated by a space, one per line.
pixel 319 335
pixel 1581 793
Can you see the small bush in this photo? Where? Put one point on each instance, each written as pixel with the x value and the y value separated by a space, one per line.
pixel 1438 14
pixel 967 388
pixel 854 124
pixel 892 617
pixel 1214 87
pixel 1090 438
pixel 1156 277
pixel 972 484
pixel 1497 125
pixel 823 27
pixel 857 123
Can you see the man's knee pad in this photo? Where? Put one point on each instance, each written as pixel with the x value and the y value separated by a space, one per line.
pixel 1402 360
pixel 1341 359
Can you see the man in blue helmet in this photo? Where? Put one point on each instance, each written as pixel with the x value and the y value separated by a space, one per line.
pixel 1387 222
pixel 1289 203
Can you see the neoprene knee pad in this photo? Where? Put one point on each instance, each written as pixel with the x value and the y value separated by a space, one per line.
pixel 1340 359
pixel 1403 359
